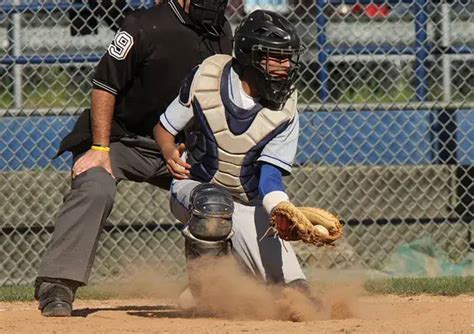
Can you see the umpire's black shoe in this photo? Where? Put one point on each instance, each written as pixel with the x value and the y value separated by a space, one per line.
pixel 55 299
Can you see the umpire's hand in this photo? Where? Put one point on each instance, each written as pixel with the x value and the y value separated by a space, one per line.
pixel 178 168
pixel 90 159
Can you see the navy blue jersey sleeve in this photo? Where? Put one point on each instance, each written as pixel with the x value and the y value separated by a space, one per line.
pixel 185 89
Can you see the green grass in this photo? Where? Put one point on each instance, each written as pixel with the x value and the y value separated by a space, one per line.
pixel 25 293
pixel 444 286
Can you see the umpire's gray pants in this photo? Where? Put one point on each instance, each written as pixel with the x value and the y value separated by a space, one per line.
pixel 72 250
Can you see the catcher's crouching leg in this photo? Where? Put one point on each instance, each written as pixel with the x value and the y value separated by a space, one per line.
pixel 209 229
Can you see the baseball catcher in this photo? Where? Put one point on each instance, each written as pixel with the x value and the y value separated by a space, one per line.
pixel 241 124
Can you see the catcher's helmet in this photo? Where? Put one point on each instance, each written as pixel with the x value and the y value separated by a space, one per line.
pixel 260 35
pixel 209 14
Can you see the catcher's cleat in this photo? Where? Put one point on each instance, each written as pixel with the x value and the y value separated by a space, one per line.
pixel 55 300
pixel 303 287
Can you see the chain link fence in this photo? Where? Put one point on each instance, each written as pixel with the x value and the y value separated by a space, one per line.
pixel 386 140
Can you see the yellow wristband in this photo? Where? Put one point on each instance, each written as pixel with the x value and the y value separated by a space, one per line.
pixel 100 148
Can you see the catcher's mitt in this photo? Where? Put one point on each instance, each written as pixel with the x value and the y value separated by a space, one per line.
pixel 311 225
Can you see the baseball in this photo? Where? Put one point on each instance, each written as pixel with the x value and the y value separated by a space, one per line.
pixel 322 230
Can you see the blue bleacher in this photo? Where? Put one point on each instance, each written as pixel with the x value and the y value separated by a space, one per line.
pixel 366 138
pixel 465 137
pixel 326 138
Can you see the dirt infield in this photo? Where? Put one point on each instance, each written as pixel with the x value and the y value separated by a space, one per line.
pixel 369 314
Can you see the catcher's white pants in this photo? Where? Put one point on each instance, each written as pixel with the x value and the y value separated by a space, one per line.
pixel 271 258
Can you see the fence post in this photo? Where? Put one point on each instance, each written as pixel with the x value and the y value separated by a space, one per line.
pixel 446 43
pixel 421 50
pixel 15 48
pixel 323 74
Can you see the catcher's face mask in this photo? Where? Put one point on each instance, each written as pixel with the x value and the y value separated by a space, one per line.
pixel 275 73
pixel 208 14
pixel 268 46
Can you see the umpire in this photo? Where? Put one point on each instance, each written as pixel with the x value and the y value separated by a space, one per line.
pixel 136 79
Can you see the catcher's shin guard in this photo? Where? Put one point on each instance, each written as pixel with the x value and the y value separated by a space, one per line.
pixel 211 212
pixel 209 228
pixel 210 224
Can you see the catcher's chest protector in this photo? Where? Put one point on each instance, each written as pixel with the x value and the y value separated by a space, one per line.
pixel 236 153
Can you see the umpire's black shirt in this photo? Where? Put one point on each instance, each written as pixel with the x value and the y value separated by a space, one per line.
pixel 143 67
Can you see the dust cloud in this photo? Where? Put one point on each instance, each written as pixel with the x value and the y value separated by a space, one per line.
pixel 228 291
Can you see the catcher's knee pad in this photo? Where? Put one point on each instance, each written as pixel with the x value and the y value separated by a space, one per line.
pixel 210 224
